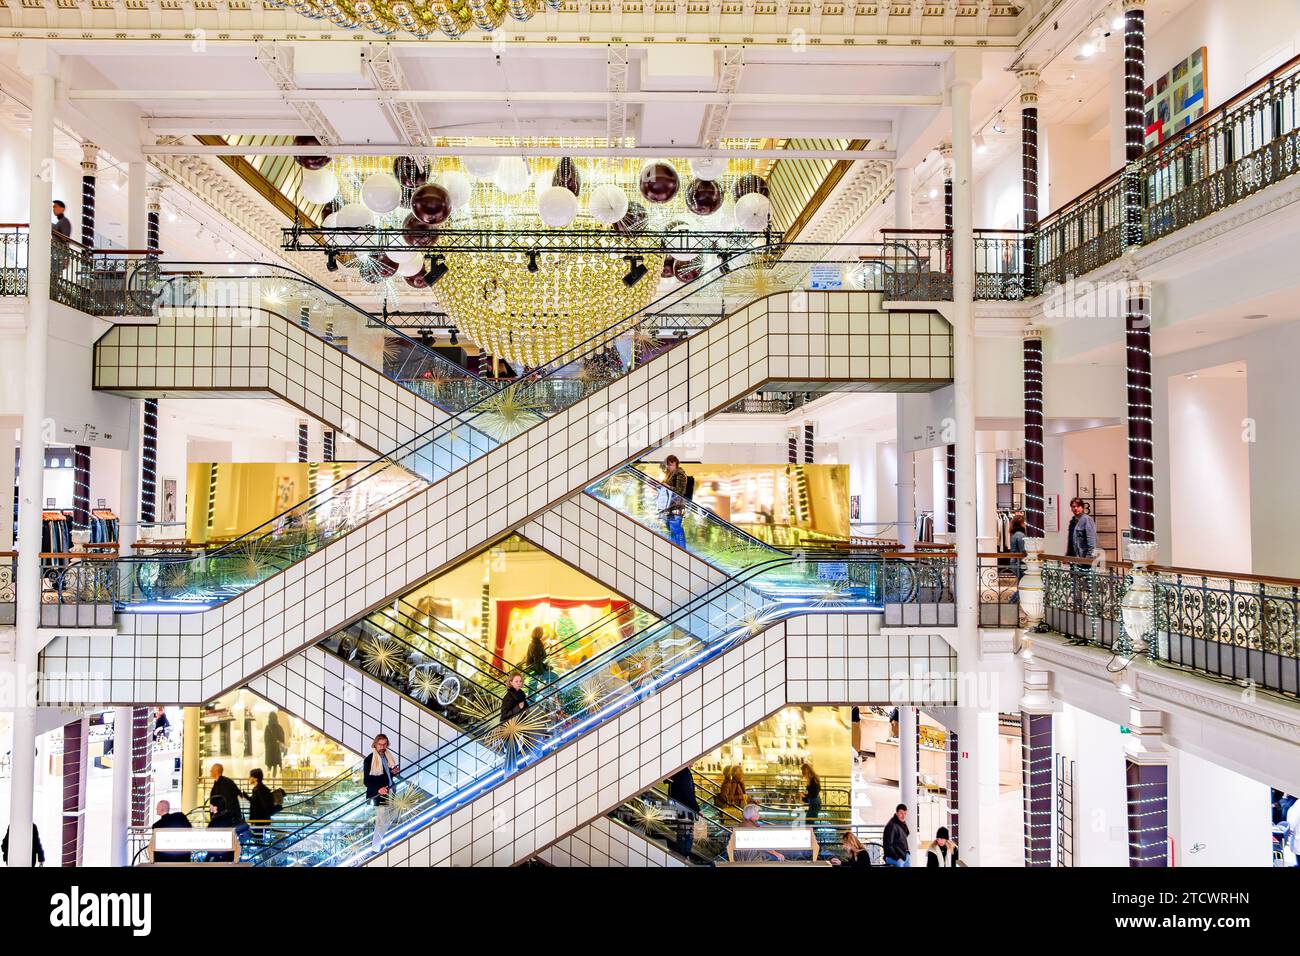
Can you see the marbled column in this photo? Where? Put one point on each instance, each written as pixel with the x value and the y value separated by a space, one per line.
pixel 1134 116
pixel 74 791
pixel 89 169
pixel 1029 171
pixel 303 444
pixel 1147 788
pixel 141 765
pixel 1036 770
pixel 954 752
pixel 81 486
pixel 1141 477
pixel 1033 372
pixel 149 464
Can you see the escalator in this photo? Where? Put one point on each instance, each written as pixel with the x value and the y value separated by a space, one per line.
pixel 585 699
pixel 413 529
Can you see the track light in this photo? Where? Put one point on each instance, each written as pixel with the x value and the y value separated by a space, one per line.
pixel 636 271
pixel 453 331
pixel 532 261
pixel 435 270
pixel 998 126
pixel 331 262
pixel 724 263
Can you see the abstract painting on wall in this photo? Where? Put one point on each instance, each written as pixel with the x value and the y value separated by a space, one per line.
pixel 1177 99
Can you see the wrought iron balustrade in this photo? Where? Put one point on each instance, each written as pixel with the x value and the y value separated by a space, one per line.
pixel 102 282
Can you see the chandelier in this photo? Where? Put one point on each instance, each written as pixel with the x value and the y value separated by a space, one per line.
pixel 529 309
pixel 421 18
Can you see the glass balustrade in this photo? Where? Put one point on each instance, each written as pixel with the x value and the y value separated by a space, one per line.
pixel 492 749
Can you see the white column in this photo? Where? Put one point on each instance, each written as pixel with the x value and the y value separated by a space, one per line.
pixel 977 821
pixel 129 506
pixel 8 442
pixel 905 483
pixel 907 770
pixel 32 464
pixel 120 821
pixel 986 491
pixel 902 197
pixel 137 205
pixel 939 492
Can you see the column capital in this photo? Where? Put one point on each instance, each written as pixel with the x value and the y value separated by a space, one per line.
pixel 89 159
pixel 1037 696
pixel 1130 5
pixel 153 195
pixel 1030 78
pixel 1032 332
pixel 945 158
pixel 1146 742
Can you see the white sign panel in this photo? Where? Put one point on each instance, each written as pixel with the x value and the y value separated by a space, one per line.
pixel 773 838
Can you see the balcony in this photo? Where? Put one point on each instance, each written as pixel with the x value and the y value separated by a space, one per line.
pixel 109 283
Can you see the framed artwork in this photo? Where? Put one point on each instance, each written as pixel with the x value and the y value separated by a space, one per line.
pixel 855 507
pixel 1177 99
pixel 169 501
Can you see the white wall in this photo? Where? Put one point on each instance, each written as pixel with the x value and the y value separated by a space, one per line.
pixel 1100 813
pixel 15 155
pixel 1217 817
pixel 998 196
pixel 1209 472
pixel 1091 451
pixel 1074 158
pixel 1273 395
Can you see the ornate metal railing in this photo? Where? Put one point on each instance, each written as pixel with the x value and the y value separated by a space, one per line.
pixel 919 264
pixel 1242 627
pixel 1082 598
pixel 999 599
pixel 8 586
pixel 102 282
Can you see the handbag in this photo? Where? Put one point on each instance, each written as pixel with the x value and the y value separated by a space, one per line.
pixel 700 829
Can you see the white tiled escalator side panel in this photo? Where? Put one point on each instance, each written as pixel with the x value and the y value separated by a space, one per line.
pixel 194 660
pixel 693 715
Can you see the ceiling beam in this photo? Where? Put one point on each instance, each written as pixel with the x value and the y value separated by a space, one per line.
pixel 397 149
pixel 519 96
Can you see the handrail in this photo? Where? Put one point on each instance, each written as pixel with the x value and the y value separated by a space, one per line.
pixel 1228 575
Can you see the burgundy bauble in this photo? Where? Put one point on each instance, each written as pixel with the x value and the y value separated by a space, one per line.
pixel 414 228
pixel 329 209
pixel 431 204
pixel 310 162
pixel 385 266
pixel 749 183
pixel 687 271
pixel 409 172
pixel 566 175
pixel 703 197
pixel 634 220
pixel 659 182
pixel 417 281
pixel 670 266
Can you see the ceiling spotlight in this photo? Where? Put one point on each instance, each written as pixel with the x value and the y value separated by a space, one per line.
pixel 453 333
pixel 1087 50
pixel 998 127
pixel 1117 23
pixel 331 262
pixel 934 194
pixel 636 271
pixel 426 337
pixel 435 269
pixel 532 260
pixel 980 145
pixel 724 263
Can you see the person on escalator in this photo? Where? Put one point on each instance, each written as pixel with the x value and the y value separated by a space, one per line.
pixel 535 661
pixel 169 819
pixel 220 816
pixel 681 791
pixel 672 499
pixel 897 850
pixel 514 701
pixel 379 773
pixel 227 790
pixel 261 805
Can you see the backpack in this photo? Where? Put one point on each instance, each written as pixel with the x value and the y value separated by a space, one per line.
pixel 690 488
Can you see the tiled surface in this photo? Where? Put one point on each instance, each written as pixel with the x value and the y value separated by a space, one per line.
pixel 175 658
pixel 220 349
pixel 615 550
pixel 604 843
pixel 693 715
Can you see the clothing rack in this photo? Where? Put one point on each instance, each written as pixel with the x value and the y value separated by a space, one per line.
pixel 925 526
pixel 56 537
pixel 104 527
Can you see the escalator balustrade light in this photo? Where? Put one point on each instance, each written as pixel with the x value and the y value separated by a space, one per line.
pixel 636 271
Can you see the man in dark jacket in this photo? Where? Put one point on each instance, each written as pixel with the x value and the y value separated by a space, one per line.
pixel 169 819
pixel 38 851
pixel 261 805
pixel 227 790
pixel 681 790
pixel 897 851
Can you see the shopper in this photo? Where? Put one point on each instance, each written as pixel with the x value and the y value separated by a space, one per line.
pixel 812 795
pixel 62 225
pixel 273 744
pixel 535 660
pixel 733 788
pixel 942 852
pixel 38 851
pixel 672 499
pixel 749 821
pixel 221 816
pixel 1291 844
pixel 227 790
pixel 514 701
pixel 681 791
pixel 379 773
pixel 897 835
pixel 169 819
pixel 1081 537
pixel 1018 531
pixel 856 854
pixel 261 803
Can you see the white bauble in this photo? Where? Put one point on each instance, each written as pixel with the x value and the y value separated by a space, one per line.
pixel 381 193
pixel 331 221
pixel 354 216
pixel 410 266
pixel 403 256
pixel 557 207
pixel 752 212
pixel 512 176
pixel 484 167
pixel 607 204
pixel 319 185
pixel 458 187
pixel 709 168
pixel 724 220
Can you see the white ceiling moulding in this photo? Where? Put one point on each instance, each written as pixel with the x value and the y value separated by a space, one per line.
pixel 937 23
pixel 576 152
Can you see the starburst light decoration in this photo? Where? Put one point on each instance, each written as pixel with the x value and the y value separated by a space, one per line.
pixel 521 734
pixel 380 656
pixel 506 414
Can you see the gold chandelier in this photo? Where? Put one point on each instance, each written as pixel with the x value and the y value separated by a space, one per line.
pixel 530 317
pixel 421 18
